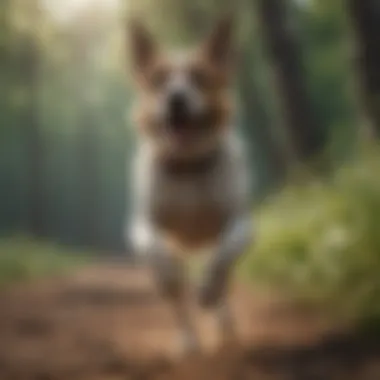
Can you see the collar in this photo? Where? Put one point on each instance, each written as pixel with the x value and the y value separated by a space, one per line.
pixel 191 166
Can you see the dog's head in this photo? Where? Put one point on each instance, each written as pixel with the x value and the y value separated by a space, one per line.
pixel 184 98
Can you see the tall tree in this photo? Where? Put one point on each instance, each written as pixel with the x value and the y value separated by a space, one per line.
pixel 31 70
pixel 365 20
pixel 271 160
pixel 85 30
pixel 305 134
pixel 34 143
pixel 90 35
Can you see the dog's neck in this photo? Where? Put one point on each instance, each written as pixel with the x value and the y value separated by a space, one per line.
pixel 190 166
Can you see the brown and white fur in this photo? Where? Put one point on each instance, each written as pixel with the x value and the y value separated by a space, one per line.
pixel 190 178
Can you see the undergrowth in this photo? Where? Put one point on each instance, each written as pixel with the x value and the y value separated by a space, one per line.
pixel 321 240
pixel 23 259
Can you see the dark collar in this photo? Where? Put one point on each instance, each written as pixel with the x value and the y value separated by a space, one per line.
pixel 192 166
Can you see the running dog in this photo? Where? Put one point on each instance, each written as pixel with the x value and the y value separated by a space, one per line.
pixel 190 178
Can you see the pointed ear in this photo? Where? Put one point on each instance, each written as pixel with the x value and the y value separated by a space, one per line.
pixel 220 46
pixel 143 48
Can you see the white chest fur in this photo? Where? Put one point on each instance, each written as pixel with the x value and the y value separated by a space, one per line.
pixel 193 209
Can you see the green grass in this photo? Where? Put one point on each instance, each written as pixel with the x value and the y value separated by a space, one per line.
pixel 321 241
pixel 23 259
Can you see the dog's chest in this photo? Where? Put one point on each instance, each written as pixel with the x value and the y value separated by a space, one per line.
pixel 186 195
pixel 193 210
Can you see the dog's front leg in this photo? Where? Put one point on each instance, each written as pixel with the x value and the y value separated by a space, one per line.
pixel 232 245
pixel 214 286
pixel 171 279
pixel 170 276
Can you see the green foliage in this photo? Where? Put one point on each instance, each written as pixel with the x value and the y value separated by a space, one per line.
pixel 326 43
pixel 24 259
pixel 321 240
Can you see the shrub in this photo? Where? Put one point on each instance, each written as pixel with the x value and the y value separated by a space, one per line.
pixel 321 240
pixel 23 259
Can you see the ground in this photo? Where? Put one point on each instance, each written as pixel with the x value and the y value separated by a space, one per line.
pixel 108 323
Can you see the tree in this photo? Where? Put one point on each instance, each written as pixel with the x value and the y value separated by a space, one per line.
pixel 268 154
pixel 271 162
pixel 34 143
pixel 31 68
pixel 88 34
pixel 296 109
pixel 365 20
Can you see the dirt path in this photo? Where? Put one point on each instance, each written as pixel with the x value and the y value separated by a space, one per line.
pixel 107 323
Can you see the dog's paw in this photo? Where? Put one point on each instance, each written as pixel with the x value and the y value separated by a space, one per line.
pixel 188 345
pixel 227 326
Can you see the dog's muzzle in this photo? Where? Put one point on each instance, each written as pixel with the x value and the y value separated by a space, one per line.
pixel 179 112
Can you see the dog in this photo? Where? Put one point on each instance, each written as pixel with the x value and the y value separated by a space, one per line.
pixel 190 177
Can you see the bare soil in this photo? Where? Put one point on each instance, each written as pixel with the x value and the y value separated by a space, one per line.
pixel 108 323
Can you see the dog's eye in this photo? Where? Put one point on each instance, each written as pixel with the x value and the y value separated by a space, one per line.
pixel 158 78
pixel 200 78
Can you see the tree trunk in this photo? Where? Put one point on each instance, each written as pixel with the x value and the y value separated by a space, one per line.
pixel 274 165
pixel 89 173
pixel 365 21
pixel 305 135
pixel 88 154
pixel 36 202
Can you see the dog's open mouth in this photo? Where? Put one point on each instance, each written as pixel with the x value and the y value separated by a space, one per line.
pixel 182 128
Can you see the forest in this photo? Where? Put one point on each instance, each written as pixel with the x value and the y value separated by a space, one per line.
pixel 309 93
pixel 73 304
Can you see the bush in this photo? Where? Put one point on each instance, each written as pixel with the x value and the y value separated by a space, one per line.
pixel 24 259
pixel 321 241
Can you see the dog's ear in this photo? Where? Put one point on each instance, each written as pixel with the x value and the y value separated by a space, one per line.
pixel 142 47
pixel 220 47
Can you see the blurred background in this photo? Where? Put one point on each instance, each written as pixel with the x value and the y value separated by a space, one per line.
pixel 309 89
pixel 65 96
pixel 309 108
